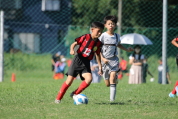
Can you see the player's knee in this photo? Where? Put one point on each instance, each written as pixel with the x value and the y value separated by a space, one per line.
pixel 88 80
pixel 107 85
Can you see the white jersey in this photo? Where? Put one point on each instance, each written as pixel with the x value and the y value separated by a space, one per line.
pixel 109 51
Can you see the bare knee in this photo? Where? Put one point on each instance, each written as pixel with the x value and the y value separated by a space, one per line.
pixel 107 85
pixel 88 80
pixel 69 80
pixel 87 77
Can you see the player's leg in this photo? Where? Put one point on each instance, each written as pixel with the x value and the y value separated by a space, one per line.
pixel 64 87
pixel 174 92
pixel 113 84
pixel 107 82
pixel 85 83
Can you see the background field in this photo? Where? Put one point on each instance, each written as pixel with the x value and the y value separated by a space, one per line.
pixel 32 96
pixel 32 34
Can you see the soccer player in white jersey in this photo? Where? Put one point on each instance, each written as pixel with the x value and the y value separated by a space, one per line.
pixel 110 61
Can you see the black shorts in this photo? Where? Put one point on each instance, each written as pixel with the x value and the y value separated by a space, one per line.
pixel 79 66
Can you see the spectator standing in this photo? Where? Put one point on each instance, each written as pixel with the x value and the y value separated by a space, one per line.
pixel 146 70
pixel 94 70
pixel 136 61
pixel 160 69
pixel 54 59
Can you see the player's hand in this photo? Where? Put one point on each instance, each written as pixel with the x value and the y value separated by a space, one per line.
pixel 100 72
pixel 105 60
pixel 72 52
pixel 130 49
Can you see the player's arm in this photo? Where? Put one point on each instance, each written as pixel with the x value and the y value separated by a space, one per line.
pixel 123 48
pixel 168 77
pixel 98 59
pixel 131 61
pixel 174 42
pixel 72 52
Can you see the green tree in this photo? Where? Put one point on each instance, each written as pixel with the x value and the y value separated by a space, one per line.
pixel 87 11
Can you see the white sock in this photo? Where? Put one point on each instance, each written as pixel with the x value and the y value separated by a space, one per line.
pixel 112 92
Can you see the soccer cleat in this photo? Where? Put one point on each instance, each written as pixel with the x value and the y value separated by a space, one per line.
pixel 172 95
pixel 57 101
pixel 111 100
pixel 72 94
pixel 176 88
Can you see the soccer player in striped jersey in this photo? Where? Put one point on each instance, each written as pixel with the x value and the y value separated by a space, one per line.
pixel 89 45
pixel 109 53
pixel 174 92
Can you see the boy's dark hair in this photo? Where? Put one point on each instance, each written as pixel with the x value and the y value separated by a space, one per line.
pixel 97 24
pixel 110 17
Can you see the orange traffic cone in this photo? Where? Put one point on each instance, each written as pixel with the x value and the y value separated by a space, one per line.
pixel 13 77
pixel 58 76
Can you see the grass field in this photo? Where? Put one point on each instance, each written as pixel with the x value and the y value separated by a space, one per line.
pixel 32 95
pixel 33 98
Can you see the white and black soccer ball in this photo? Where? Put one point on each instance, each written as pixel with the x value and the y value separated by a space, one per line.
pixel 80 99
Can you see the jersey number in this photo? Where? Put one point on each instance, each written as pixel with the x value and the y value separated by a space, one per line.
pixel 87 51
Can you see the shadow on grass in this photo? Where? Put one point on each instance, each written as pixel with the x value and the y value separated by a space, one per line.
pixel 130 102
pixel 111 103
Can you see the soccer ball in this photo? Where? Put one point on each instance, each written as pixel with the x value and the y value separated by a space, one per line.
pixel 152 79
pixel 80 99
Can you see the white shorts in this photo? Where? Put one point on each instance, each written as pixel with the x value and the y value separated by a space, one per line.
pixel 111 66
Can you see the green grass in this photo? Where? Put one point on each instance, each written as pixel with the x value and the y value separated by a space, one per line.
pixel 33 98
pixel 32 95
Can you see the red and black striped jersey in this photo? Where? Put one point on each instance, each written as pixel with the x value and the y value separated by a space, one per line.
pixel 87 46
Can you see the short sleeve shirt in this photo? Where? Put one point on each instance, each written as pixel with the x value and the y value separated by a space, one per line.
pixel 87 46
pixel 109 51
